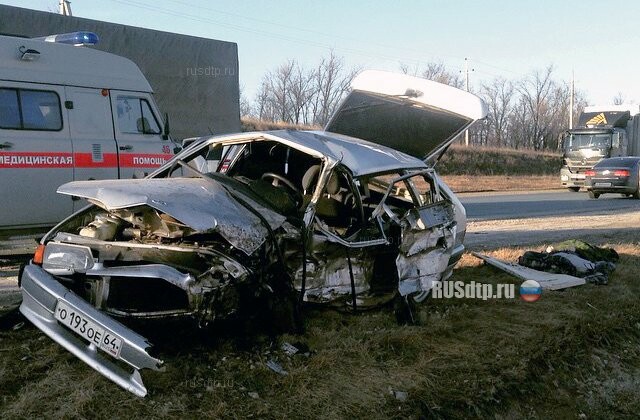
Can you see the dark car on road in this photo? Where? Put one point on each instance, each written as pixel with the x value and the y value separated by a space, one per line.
pixel 614 175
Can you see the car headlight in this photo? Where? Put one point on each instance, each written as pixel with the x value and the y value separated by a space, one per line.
pixel 62 259
pixel 564 177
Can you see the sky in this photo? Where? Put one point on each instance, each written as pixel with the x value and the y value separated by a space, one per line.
pixel 596 41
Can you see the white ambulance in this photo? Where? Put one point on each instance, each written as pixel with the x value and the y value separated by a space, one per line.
pixel 69 112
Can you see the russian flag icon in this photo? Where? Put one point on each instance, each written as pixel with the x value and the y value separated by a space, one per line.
pixel 530 291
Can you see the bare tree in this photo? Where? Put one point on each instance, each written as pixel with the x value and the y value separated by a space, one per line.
pixel 435 71
pixel 439 73
pixel 529 113
pixel 263 104
pixel 293 94
pixel 535 92
pixel 300 94
pixel 499 96
pixel 280 82
pixel 245 105
pixel 331 82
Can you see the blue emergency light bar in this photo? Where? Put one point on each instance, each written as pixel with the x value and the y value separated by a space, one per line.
pixel 73 38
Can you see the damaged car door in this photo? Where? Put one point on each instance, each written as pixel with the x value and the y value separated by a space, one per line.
pixel 371 240
pixel 428 233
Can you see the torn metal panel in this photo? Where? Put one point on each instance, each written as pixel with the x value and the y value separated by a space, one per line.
pixel 548 281
pixel 327 268
pixel 188 200
pixel 424 261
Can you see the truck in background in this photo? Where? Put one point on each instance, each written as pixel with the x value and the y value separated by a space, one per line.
pixel 602 132
pixel 69 112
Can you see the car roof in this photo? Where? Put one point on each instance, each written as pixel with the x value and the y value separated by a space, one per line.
pixel 626 161
pixel 361 157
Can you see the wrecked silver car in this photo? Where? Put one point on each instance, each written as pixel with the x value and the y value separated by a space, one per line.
pixel 352 216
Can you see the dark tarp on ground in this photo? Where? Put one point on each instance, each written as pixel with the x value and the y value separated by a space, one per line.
pixel 575 258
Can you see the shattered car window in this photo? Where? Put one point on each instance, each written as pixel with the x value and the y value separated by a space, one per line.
pixel 405 193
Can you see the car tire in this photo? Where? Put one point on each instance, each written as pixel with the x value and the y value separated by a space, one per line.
pixel 636 194
pixel 574 189
pixel 593 195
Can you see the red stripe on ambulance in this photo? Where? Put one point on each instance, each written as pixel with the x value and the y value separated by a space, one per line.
pixel 11 160
pixel 86 160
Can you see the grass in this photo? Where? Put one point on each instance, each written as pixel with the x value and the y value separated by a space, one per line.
pixel 572 352
pixel 474 161
pixel 254 124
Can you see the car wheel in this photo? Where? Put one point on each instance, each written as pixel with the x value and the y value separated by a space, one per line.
pixel 593 195
pixel 574 189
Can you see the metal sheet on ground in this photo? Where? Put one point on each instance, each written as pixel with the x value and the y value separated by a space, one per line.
pixel 548 281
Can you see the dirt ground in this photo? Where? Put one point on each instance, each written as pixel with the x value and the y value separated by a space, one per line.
pixel 8 284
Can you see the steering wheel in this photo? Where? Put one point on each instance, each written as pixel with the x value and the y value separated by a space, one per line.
pixel 276 183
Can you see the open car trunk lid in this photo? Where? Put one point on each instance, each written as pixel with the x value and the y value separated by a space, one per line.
pixel 413 115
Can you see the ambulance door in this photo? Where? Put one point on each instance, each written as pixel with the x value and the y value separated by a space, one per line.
pixel 95 153
pixel 138 129
pixel 35 155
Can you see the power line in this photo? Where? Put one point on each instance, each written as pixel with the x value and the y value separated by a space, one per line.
pixel 311 31
pixel 241 28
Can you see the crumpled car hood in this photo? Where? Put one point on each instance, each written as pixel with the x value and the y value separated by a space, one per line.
pixel 202 204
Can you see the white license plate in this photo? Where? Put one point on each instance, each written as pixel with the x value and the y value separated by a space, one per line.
pixel 603 184
pixel 86 328
pixel 579 176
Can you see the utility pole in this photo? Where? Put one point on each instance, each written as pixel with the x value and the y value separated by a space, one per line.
pixel 64 8
pixel 466 77
pixel 573 93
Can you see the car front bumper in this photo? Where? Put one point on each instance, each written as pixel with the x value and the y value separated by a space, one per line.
pixel 571 179
pixel 41 292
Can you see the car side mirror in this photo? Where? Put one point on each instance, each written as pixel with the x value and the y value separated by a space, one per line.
pixel 166 130
pixel 142 125
pixel 616 141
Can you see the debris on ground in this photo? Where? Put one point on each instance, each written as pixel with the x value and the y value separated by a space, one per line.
pixel 253 395
pixel 548 281
pixel 586 250
pixel 571 263
pixel 400 395
pixel 575 258
pixel 289 349
pixel 276 367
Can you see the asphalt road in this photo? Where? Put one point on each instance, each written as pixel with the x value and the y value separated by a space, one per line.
pixel 486 206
